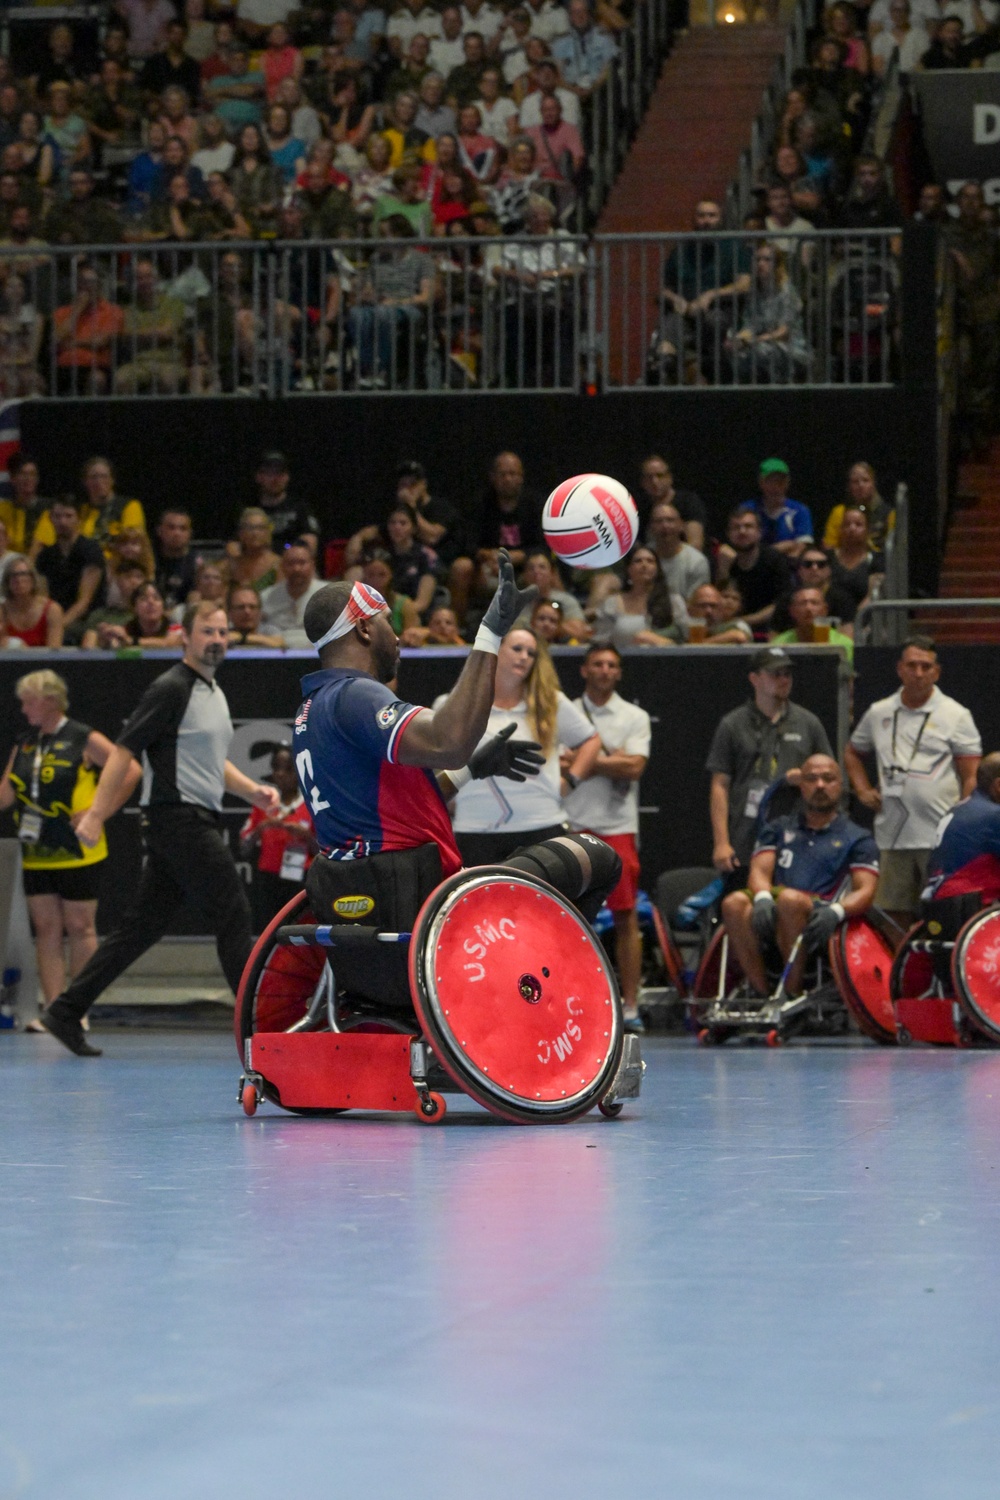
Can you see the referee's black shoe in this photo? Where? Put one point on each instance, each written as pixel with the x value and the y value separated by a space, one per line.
pixel 65 1026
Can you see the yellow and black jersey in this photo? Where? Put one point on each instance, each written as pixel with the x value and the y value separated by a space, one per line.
pixel 51 783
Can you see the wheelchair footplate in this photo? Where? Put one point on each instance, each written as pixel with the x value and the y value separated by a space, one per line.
pixel 775 1018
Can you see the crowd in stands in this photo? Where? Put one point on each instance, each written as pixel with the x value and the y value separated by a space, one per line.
pixel 91 570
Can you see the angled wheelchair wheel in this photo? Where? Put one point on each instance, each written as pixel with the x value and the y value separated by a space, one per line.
pixel 279 980
pixel 515 995
pixel 975 971
pixel 718 973
pixel 861 959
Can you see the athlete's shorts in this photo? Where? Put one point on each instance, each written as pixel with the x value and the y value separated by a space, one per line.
pixel 902 876
pixel 626 892
pixel 72 883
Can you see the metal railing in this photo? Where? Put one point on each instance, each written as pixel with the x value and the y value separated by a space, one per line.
pixel 903 608
pixel 616 108
pixel 523 313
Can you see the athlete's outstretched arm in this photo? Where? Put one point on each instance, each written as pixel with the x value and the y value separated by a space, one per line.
pixel 446 739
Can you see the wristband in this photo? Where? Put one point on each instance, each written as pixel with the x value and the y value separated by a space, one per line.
pixel 487 640
pixel 841 913
pixel 459 778
pixel 762 896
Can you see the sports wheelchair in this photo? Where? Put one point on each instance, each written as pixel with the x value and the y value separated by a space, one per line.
pixel 851 979
pixel 945 982
pixel 497 989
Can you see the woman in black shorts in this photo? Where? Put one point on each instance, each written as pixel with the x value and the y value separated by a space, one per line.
pixel 50 778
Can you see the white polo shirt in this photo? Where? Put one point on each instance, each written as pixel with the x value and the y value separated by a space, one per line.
pixel 404 25
pixel 600 804
pixel 915 749
pixel 498 805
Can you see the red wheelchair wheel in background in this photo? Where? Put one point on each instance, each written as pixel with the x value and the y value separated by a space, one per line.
pixel 975 971
pixel 515 995
pixel 861 959
pixel 279 979
pixel 709 980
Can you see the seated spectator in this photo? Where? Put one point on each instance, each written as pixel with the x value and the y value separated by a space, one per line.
pixel 463 83
pixel 855 565
pixel 412 16
pixel 548 19
pixel 412 565
pixel 546 84
pixel 479 16
pixel 441 630
pixel 809 196
pixel 61 65
pixel 33 157
pixel 154 339
pixel 246 627
pixel 517 182
pixel 401 131
pixel 761 573
pixel 130 547
pixel 148 626
pixel 392 297
pixel 172 68
pixel 147 22
pixel 209 585
pixel 948 49
pixel 280 60
pixel 862 490
pixel 452 195
pixel 176 564
pixel 769 345
pixel 72 567
pixel 283 605
pixel 215 152
pixel 27 614
pixel 200 32
pixel 220 215
pixel 446 50
pixel 823 163
pixel 807 607
pixel 66 130
pixel 305 121
pixel 870 204
pixel 841 23
pixel 288 155
pixel 104 513
pixel 377 573
pixel 328 213
pixel 541 569
pixel 21 327
pixel 701 280
pixel 7 555
pixel 682 565
pixel 351 120
pixel 479 154
pixel 216 64
pixel 33 263
pixel 512 45
pixel 813 570
pixel 497 115
pixel 145 169
pixel 406 201
pixel 903 39
pixel 710 622
pixel 540 302
pixel 412 69
pixel 434 116
pixel 255 181
pixel 644 613
pixel 373 180
pixel 100 628
pixel 237 95
pixel 82 219
pixel 176 158
pixel 786 226
pixel 785 524
pixel 822 852
pixel 175 216
pixel 113 109
pixel 585 52
pixel 546 622
pixel 21 512
pixel 558 146
pixel 656 484
pixel 250 559
pixel 439 525
pixel 280 846
pixel 291 518
pixel 177 119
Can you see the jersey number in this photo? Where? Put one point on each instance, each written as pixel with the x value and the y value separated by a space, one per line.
pixel 785 859
pixel 304 766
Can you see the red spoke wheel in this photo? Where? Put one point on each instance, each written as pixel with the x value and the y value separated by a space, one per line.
pixel 709 982
pixel 975 971
pixel 922 1014
pixel 516 996
pixel 861 959
pixel 279 979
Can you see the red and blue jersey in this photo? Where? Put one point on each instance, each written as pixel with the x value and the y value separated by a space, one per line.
pixel 967 854
pixel 346 746
pixel 817 860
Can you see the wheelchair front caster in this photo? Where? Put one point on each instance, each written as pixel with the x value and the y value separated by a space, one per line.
pixel 610 1111
pixel 903 1037
pixel 774 1038
pixel 431 1109
pixel 249 1099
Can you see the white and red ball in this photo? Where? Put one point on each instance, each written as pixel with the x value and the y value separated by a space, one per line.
pixel 590 521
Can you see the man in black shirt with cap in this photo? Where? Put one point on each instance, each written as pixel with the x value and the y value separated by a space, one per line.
pixel 291 520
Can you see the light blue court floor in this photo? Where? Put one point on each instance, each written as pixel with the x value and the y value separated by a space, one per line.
pixel 775 1276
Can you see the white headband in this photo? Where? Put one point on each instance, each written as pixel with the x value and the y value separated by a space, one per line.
pixel 362 605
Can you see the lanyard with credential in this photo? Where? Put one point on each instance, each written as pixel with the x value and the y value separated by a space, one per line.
pixel 916 744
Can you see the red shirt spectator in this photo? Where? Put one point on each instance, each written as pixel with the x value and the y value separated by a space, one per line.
pixel 558 146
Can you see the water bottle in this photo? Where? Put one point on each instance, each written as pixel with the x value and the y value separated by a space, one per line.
pixel 688 913
pixel 8 998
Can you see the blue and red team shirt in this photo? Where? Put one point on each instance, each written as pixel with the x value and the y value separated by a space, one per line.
pixel 967 854
pixel 817 860
pixel 793 523
pixel 346 745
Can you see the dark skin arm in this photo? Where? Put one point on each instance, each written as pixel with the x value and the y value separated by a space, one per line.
pixel 444 740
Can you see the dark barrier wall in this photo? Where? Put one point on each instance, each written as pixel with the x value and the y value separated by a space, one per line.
pixel 685 692
pixel 344 450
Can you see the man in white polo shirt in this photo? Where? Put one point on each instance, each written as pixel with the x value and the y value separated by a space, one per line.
pixel 927 749
pixel 607 803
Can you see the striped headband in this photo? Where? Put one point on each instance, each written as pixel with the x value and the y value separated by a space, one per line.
pixel 362 605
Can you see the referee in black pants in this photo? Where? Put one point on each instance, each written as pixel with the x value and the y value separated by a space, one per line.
pixel 181 732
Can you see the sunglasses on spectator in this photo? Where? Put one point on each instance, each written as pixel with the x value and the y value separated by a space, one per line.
pixel 814 562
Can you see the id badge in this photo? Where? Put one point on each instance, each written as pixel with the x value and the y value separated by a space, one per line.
pixel 293 864
pixel 30 828
pixel 755 796
pixel 892 789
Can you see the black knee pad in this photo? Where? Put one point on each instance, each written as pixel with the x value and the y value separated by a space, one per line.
pixel 574 863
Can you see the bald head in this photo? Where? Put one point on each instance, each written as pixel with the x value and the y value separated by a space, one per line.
pixel 821 785
pixel 988 776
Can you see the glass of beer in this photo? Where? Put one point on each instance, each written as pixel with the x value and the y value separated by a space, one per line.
pixel 821 630
pixel 697 632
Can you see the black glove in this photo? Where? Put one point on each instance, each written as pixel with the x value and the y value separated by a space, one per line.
pixel 824 919
pixel 764 919
pixel 509 602
pixel 502 756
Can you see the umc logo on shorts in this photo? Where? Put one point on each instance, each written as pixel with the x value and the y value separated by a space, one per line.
pixel 353 907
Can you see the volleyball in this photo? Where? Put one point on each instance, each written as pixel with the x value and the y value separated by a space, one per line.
pixel 590 521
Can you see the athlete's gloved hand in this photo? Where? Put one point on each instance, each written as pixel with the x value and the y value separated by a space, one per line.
pixel 824 919
pixel 502 756
pixel 509 601
pixel 764 918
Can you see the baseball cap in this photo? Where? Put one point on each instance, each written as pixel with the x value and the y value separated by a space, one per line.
pixel 273 460
pixel 774 466
pixel 411 469
pixel 770 659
